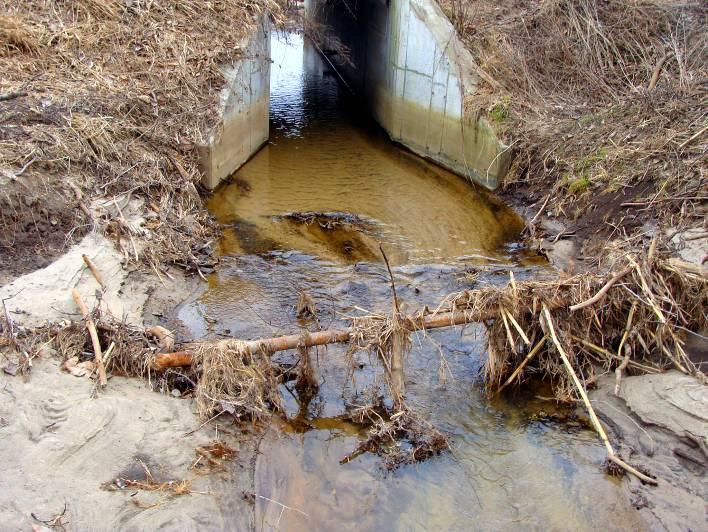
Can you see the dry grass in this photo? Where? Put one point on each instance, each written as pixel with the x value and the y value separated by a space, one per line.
pixel 115 96
pixel 643 319
pixel 604 101
pixel 403 437
pixel 146 481
pixel 234 380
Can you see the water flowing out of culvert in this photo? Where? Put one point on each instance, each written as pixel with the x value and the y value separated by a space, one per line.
pixel 308 213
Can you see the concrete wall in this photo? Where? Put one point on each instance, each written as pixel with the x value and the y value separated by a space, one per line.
pixel 415 73
pixel 244 111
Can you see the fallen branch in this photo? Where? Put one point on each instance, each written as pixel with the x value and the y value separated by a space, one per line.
pixel 611 455
pixel 331 336
pixel 91 326
pixel 603 291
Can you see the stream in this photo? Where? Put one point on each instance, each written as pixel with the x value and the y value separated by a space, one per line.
pixel 307 212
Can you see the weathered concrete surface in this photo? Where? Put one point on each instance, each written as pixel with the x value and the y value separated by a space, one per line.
pixel 244 110
pixel 415 74
pixel 660 424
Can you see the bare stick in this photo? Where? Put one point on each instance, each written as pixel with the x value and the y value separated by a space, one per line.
pixel 628 350
pixel 517 327
pixel 603 291
pixel 393 284
pixel 94 271
pixel 593 416
pixel 657 72
pixel 91 326
pixel 525 361
pixel 397 379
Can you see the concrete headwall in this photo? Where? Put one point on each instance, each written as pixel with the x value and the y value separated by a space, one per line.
pixel 414 72
pixel 244 110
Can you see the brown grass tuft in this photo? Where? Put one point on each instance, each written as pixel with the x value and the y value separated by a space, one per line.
pixel 235 380
pixel 16 36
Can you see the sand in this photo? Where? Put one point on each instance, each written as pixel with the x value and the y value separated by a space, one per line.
pixel 63 444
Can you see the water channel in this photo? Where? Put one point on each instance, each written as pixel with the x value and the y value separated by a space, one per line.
pixel 513 465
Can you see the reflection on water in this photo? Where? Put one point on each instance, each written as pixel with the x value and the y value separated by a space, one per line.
pixel 325 156
pixel 509 468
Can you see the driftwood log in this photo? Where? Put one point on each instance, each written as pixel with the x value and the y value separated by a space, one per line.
pixel 330 336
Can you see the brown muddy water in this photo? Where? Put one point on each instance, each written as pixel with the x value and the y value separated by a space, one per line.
pixel 513 465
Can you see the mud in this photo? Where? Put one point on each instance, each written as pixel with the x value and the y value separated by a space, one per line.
pixel 662 424
pixel 37 224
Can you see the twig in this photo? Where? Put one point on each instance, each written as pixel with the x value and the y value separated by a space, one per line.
pixel 661 200
pixel 203 424
pixel 627 349
pixel 94 271
pixel 521 366
pixel 25 167
pixel 9 323
pixel 91 326
pixel 213 461
pixel 593 416
pixel 128 227
pixel 657 72
pixel 692 138
pixel 608 354
pixel 509 336
pixel 540 210
pixel 603 291
pixel 647 292
pixel 517 327
pixel 393 284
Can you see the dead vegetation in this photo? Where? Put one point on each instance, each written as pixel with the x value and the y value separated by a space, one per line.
pixel 634 317
pixel 235 380
pixel 603 102
pixel 103 99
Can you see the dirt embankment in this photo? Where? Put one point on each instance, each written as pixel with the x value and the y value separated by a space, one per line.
pixel 604 105
pixel 104 100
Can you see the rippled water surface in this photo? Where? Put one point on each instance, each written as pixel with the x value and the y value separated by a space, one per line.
pixel 512 466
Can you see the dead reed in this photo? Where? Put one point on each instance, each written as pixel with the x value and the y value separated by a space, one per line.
pixel 633 318
pixel 235 380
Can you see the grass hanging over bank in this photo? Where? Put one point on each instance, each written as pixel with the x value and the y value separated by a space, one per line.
pixel 104 99
pixel 603 102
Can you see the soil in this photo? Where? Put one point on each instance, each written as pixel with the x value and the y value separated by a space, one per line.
pixel 37 224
